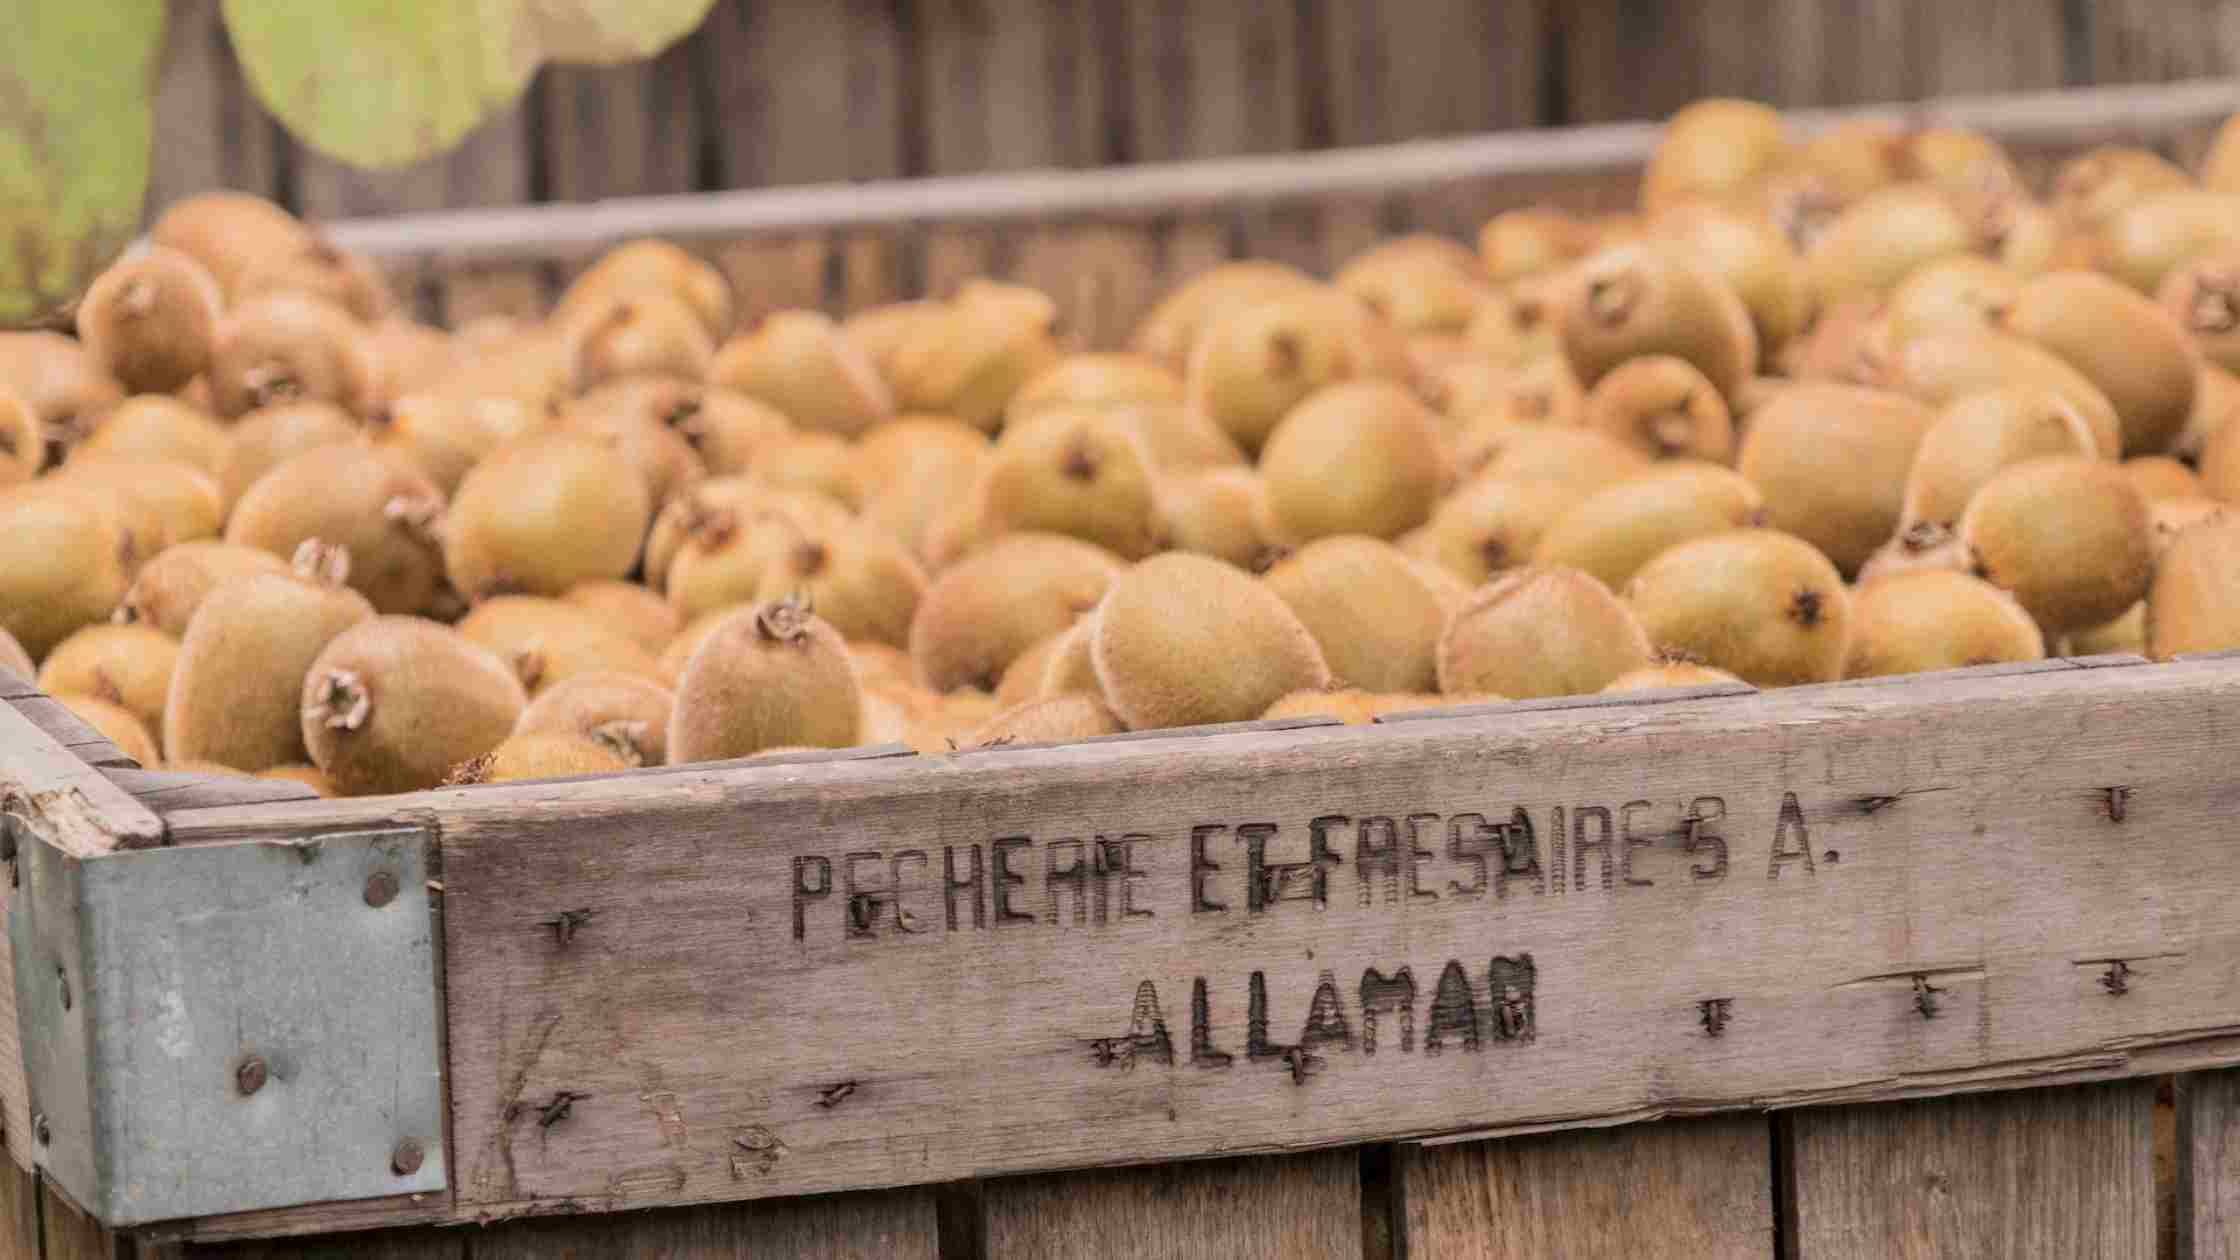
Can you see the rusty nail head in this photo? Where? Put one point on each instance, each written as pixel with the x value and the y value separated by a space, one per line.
pixel 250 1076
pixel 381 889
pixel 407 1158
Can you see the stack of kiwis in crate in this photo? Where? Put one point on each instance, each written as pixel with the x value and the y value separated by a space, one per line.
pixel 1855 404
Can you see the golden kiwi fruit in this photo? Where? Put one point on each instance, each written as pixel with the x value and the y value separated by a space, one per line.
pixel 547 641
pixel 2149 238
pixel 286 347
pixel 129 666
pixel 768 676
pixel 151 321
pixel 1910 623
pixel 1543 392
pixel 649 267
pixel 319 268
pixel 158 427
pixel 14 659
pixel 730 432
pixel 2203 295
pixel 1751 255
pixel 864 584
pixel 1575 458
pixel 1182 640
pixel 802 364
pixel 1967 290
pixel 228 233
pixel 1671 673
pixel 1022 678
pixel 1255 363
pixel 1417 284
pixel 1662 407
pixel 542 515
pixel 113 722
pixel 722 504
pixel 2163 477
pixel 237 689
pixel 304 773
pixel 1081 473
pixel 1712 149
pixel 1762 605
pixel 969 358
pixel 879 331
pixel 642 437
pixel 167 590
pixel 1979 433
pixel 2194 602
pixel 1613 532
pixel 1171 328
pixel 1531 241
pixel 538 755
pixel 23 440
pixel 65 389
pixel 1218 512
pixel 2096 185
pixel 1360 457
pixel 629 609
pixel 1882 238
pixel 1640 299
pixel 979 614
pixel 1498 641
pixel 2068 536
pixel 1056 720
pixel 375 505
pixel 394 704
pixel 1371 612
pixel 1491 524
pixel 185 502
pixel 1939 366
pixel 71 557
pixel 1832 462
pixel 2124 343
pixel 905 471
pixel 642 335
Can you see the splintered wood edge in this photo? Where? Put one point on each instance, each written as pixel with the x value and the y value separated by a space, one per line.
pixel 2078 116
pixel 63 800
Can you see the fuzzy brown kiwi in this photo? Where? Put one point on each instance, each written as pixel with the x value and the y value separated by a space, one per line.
pixel 1941 365
pixel 1669 674
pixel 436 431
pixel 2203 295
pixel 1361 457
pixel 1544 392
pixel 272 436
pixel 1182 640
pixel 1072 665
pixel 2151 237
pixel 1022 678
pixel 2122 342
pixel 1963 289
pixel 1577 459
pixel 523 758
pixel 983 611
pixel 1881 239
pixel 1911 623
pixel 880 331
pixel 2069 537
pixel 1371 612
pixel 663 456
pixel 1979 433
pixel 319 268
pixel 1854 158
pixel 772 675
pixel 649 267
pixel 113 722
pixel 723 504
pixel 906 470
pixel 185 501
pixel 70 557
pixel 546 642
pixel 2168 518
pixel 1253 365
pixel 158 427
pixel 1751 255
pixel 1765 606
pixel 228 232
pixel 628 609
pixel 802 364
pixel 1832 461
pixel 1218 512
pixel 541 515
pixel 1081 473
pixel 1499 641
pixel 286 347
pixel 861 582
pixel 1531 241
pixel 1517 326
pixel 809 461
pixel 2216 399
pixel 645 334
pixel 2163 477
pixel 2094 186
pixel 151 321
pixel 414 356
pixel 1488 526
pixel 23 440
pixel 1056 720
pixel 2194 602
pixel 1171 328
pixel 2219 467
pixel 2126 635
pixel 1917 546
pixel 729 431
pixel 1662 407
pixel 236 692
pixel 374 504
pixel 1350 705
pixel 1417 284
pixel 1615 531
pixel 1639 299
pixel 1712 148
pixel 396 703
pixel 127 665
pixel 1097 380
pixel 679 652
pixel 167 590
pixel 60 382
pixel 954 532
pixel 1957 161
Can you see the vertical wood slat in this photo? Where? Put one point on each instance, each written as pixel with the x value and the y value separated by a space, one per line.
pixel 1696 1188
pixel 65 1233
pixel 617 131
pixel 803 93
pixel 2032 1173
pixel 892 1225
pixel 2208 1165
pixel 1012 84
pixel 19 1213
pixel 210 131
pixel 1288 1207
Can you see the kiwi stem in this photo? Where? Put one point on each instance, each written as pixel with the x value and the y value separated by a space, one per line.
pixel 342 702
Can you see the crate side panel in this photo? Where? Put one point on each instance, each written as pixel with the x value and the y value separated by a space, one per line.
pixel 1266 1208
pixel 896 1225
pixel 2208 1165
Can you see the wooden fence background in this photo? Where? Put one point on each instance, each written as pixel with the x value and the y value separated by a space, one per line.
pixel 773 92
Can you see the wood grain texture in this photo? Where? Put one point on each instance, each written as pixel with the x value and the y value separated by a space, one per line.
pixel 59 796
pixel 804 93
pixel 19 1210
pixel 162 790
pixel 1207 80
pixel 390 1244
pixel 2208 1171
pixel 1951 827
pixel 1698 1188
pixel 491 167
pixel 66 1233
pixel 614 131
pixel 1270 1208
pixel 880 1226
pixel 211 132
pixel 1012 84
pixel 2049 1172
pixel 59 723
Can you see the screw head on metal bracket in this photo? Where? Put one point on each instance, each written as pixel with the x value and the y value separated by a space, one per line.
pixel 250 1076
pixel 40 1130
pixel 408 1157
pixel 381 889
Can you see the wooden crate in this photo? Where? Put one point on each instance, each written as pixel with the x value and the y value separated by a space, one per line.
pixel 1869 969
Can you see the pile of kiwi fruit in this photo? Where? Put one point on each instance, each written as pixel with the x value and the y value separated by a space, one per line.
pixel 1853 404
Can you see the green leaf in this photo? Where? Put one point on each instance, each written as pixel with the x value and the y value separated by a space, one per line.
pixel 381 83
pixel 604 32
pixel 77 117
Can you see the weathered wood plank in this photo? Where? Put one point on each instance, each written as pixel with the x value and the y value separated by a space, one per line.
pixel 210 131
pixel 66 1233
pixel 389 1244
pixel 1952 828
pixel 59 795
pixel 1012 84
pixel 1700 1188
pixel 1208 80
pixel 615 131
pixel 1267 1208
pixel 804 93
pixel 881 1226
pixel 19 1211
pixel 162 790
pixel 57 722
pixel 2050 1172
pixel 2208 1171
